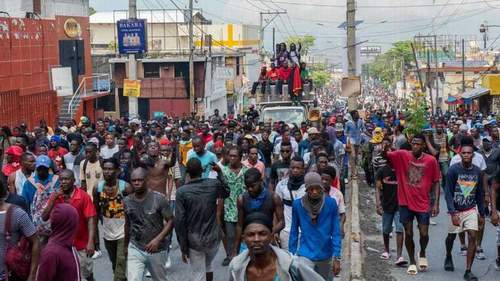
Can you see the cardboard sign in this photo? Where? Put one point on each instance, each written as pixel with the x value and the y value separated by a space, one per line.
pixel 351 86
pixel 131 88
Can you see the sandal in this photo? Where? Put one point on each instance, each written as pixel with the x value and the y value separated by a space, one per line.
pixel 412 270
pixel 385 256
pixel 401 262
pixel 423 264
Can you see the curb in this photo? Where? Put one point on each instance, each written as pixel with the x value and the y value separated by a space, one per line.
pixel 356 257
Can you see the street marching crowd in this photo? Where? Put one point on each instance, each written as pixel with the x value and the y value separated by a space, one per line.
pixel 272 193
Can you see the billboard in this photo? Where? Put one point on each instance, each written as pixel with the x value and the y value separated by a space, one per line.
pixel 132 36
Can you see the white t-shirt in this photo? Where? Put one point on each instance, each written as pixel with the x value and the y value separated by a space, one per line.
pixel 107 152
pixel 283 192
pixel 339 198
pixel 477 160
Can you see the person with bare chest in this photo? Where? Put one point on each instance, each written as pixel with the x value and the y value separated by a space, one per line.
pixel 157 168
pixel 264 262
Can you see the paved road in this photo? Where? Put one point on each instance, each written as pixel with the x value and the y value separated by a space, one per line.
pixel 484 270
pixel 178 272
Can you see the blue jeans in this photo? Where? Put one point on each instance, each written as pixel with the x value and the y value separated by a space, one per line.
pixel 139 260
pixel 443 167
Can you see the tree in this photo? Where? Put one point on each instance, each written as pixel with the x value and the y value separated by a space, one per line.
pixel 92 11
pixel 321 78
pixel 306 41
pixel 387 66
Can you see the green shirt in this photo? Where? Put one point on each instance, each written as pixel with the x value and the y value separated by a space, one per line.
pixel 236 183
pixel 304 74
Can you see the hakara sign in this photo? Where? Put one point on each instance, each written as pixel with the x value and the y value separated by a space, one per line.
pixel 72 28
pixel 132 36
pixel 131 88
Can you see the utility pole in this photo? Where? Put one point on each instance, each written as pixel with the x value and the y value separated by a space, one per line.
pixel 436 76
pixel 429 80
pixel 192 95
pixel 262 28
pixel 133 102
pixel 463 65
pixel 351 47
pixel 351 37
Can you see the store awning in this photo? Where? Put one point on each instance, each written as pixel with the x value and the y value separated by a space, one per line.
pixel 475 93
pixel 454 100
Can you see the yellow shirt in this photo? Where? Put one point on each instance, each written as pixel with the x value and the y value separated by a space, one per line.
pixel 183 151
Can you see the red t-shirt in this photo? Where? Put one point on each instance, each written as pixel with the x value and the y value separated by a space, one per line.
pixel 415 178
pixel 284 73
pixel 273 74
pixel 57 156
pixel 83 204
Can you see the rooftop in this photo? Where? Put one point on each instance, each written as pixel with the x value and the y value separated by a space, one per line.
pixel 151 16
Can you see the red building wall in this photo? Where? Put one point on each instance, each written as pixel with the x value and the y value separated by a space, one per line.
pixel 171 107
pixel 28 48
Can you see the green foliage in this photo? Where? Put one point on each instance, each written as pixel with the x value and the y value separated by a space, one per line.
pixel 387 66
pixel 416 114
pixel 92 11
pixel 321 78
pixel 307 41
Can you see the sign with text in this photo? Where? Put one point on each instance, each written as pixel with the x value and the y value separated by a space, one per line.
pixel 131 88
pixel 132 36
pixel 223 72
pixel 62 81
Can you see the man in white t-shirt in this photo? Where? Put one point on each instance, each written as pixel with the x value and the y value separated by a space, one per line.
pixel 110 148
pixel 290 189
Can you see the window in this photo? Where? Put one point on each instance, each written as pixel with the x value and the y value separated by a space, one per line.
pixel 151 70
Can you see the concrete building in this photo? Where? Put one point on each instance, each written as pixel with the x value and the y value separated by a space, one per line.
pixel 36 37
pixel 224 55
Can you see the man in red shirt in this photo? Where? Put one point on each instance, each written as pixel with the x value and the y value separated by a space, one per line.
pixel 273 74
pixel 81 201
pixel 284 74
pixel 418 175
pixel 56 152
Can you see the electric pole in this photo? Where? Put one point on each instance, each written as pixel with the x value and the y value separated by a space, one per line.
pixel 191 60
pixel 263 26
pixel 351 47
pixel 133 102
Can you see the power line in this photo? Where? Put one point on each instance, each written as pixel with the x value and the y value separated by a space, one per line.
pixel 382 6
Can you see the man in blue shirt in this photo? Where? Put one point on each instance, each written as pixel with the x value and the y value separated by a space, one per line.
pixel 317 217
pixel 464 195
pixel 206 157
pixel 42 179
pixel 354 129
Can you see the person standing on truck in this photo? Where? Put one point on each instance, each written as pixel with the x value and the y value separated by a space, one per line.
pixel 284 74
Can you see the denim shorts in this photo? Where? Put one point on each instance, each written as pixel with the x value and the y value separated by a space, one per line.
pixel 406 216
pixel 387 221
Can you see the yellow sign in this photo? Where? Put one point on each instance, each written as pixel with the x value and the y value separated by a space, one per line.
pixel 72 28
pixel 131 88
pixel 230 42
pixel 492 82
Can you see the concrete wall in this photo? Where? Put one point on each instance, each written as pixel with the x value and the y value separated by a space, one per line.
pixel 76 8
pixel 16 8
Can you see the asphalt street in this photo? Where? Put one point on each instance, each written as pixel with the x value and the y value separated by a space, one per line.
pixel 483 269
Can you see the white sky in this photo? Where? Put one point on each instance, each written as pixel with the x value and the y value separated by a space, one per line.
pixel 382 25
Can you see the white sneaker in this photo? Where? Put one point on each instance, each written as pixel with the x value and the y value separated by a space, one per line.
pixel 147 274
pixel 97 254
pixel 168 263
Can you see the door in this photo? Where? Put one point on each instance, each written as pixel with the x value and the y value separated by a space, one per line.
pixel 72 54
pixel 144 108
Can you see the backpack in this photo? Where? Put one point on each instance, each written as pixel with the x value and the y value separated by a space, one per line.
pixel 17 257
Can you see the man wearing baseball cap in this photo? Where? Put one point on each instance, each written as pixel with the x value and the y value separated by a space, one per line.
pixel 317 217
pixel 37 190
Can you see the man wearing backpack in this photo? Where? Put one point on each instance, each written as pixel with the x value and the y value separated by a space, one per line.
pixel 90 175
pixel 108 201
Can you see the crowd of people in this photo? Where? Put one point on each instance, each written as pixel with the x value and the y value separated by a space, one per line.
pixel 273 194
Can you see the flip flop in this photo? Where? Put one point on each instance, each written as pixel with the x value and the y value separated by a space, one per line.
pixel 401 262
pixel 423 264
pixel 385 256
pixel 412 270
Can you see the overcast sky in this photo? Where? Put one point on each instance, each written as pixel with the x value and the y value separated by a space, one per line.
pixel 385 21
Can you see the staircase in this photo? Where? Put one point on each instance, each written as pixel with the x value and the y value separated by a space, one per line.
pixel 101 84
